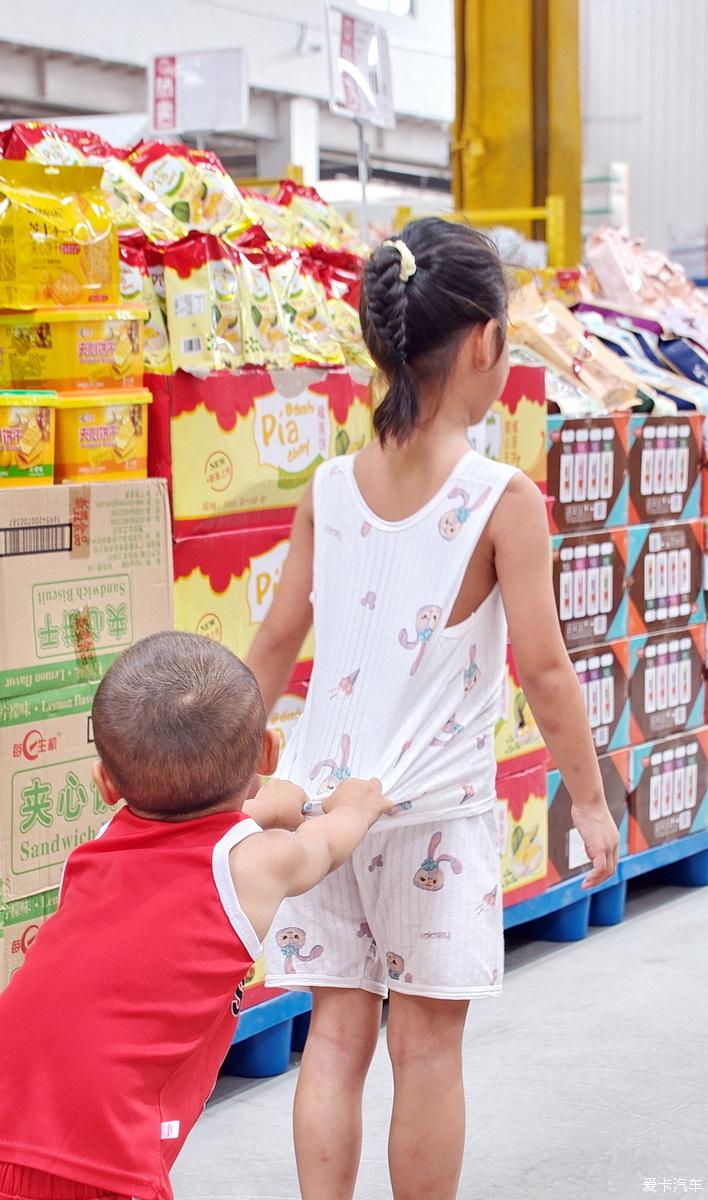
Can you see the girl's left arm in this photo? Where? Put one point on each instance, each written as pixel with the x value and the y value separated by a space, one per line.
pixel 277 644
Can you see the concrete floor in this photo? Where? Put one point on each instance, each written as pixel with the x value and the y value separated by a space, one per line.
pixel 588 1076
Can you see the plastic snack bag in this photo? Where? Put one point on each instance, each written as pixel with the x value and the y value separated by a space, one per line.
pixel 136 287
pixel 135 206
pixel 284 227
pixel 332 229
pixel 58 243
pixel 222 203
pixel 202 283
pixel 193 184
pixel 56 146
pixel 302 305
pixel 265 342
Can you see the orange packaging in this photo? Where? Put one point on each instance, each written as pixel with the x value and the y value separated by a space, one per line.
pixel 102 436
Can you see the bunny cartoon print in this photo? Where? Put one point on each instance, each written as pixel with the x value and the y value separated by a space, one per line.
pixel 429 876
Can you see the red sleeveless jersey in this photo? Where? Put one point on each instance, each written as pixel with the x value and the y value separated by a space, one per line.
pixel 114 1029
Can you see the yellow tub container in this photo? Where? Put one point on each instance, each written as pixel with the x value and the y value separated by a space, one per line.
pixel 102 436
pixel 27 433
pixel 72 348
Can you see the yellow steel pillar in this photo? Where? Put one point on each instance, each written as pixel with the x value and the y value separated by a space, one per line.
pixel 517 133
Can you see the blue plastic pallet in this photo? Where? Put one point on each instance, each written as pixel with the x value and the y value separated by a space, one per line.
pixel 269 1032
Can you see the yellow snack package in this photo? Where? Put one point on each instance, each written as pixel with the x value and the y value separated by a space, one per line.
pixel 302 304
pixel 102 436
pixel 331 229
pixel 170 172
pixel 284 227
pixel 137 287
pixel 265 342
pixel 222 203
pixel 203 287
pixel 26 438
pixel 58 243
pixel 67 348
pixel 136 206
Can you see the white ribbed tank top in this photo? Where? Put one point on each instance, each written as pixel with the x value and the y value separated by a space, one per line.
pixel 394 693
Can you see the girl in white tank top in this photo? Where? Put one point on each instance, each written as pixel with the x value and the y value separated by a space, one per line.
pixel 411 558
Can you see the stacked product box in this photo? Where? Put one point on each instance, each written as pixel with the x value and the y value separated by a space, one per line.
pixel 85 571
pixel 239 450
pixel 71 352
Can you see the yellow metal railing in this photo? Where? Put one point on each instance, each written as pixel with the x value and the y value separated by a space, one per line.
pixel 261 184
pixel 553 213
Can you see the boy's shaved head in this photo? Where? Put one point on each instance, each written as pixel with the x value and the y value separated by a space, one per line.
pixel 179 724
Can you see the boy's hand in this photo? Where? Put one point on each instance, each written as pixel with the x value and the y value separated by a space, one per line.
pixel 600 838
pixel 278 805
pixel 366 796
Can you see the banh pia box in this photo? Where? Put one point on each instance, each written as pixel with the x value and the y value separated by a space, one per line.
pixel 240 449
pixel 522 832
pixel 85 571
pixel 225 583
pixel 514 429
pixel 50 803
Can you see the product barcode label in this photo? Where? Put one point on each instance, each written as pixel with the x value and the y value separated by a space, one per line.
pixel 190 304
pixel 599 626
pixel 599 510
pixel 192 345
pixel 35 539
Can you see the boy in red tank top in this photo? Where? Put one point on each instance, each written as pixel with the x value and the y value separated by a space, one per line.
pixel 115 1028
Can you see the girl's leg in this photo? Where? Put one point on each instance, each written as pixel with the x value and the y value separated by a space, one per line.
pixel 338 1052
pixel 427 1136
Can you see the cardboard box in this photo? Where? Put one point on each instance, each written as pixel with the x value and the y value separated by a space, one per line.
pixel 566 851
pixel 665 576
pixel 20 922
pixel 522 822
pixel 240 449
pixel 668 790
pixel 665 457
pixel 589 580
pixel 50 803
pixel 603 674
pixel 85 572
pixel 587 471
pixel 514 429
pixel 518 744
pixel 667 688
pixel 225 583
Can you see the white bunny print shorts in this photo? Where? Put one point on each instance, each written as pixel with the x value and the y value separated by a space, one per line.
pixel 417 909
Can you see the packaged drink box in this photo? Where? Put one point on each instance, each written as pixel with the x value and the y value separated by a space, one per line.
pixel 518 744
pixel 665 576
pixel 589 581
pixel 50 803
pixel 225 583
pixel 665 458
pixel 240 449
pixel 514 429
pixel 603 675
pixel 667 687
pixel 566 851
pixel 587 471
pixel 27 438
pixel 522 825
pixel 85 571
pixel 20 922
pixel 668 790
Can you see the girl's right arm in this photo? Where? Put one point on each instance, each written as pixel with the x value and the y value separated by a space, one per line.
pixel 277 644
pixel 522 559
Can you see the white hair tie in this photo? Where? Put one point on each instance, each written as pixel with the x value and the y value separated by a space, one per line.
pixel 408 263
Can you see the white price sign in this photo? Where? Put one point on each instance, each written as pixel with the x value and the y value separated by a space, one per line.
pixel 198 91
pixel 360 69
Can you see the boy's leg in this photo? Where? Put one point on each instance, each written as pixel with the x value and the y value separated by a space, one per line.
pixel 327 1122
pixel 427 1138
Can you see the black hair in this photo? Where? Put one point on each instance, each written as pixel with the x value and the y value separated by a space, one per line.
pixel 178 722
pixel 413 328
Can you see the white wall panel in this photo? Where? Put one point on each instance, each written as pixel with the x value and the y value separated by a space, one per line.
pixel 645 102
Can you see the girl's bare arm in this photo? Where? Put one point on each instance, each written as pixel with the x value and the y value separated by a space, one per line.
pixel 277 644
pixel 522 557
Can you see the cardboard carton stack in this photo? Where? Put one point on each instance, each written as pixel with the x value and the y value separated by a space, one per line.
pixel 85 571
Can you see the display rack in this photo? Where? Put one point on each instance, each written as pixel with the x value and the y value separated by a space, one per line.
pixel 268 1033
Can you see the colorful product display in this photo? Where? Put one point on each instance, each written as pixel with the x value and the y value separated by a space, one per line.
pixel 566 852
pixel 517 741
pixel 667 690
pixel 668 797
pixel 514 429
pixel 102 436
pixel 522 823
pixel 665 468
pixel 71 349
pixel 589 580
pixel 587 472
pixel 603 675
pixel 27 436
pixel 665 576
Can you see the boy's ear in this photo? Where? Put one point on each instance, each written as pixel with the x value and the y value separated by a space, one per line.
pixel 271 752
pixel 110 794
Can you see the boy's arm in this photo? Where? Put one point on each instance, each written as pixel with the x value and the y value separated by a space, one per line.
pixel 276 864
pixel 277 805
pixel 522 555
pixel 288 621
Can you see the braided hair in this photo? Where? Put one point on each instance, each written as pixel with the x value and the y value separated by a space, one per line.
pixel 413 326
